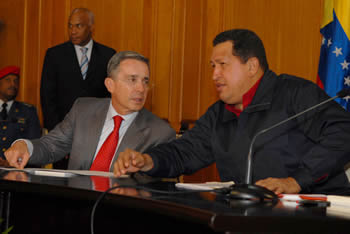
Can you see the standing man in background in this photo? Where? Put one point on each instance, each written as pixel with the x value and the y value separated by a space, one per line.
pixel 76 68
pixel 17 119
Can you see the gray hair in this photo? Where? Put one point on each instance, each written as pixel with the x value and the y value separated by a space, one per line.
pixel 115 61
pixel 87 11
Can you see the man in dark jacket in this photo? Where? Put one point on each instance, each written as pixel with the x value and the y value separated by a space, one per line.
pixel 76 68
pixel 17 119
pixel 67 74
pixel 305 155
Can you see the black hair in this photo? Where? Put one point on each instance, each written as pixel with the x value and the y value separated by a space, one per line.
pixel 246 44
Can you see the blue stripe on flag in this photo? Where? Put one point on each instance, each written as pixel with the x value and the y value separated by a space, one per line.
pixel 334 64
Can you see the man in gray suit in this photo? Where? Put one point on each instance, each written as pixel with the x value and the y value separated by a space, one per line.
pixel 89 123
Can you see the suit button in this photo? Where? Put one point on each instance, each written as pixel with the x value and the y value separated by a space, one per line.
pixel 5 127
pixel 3 149
pixel 4 138
pixel 22 129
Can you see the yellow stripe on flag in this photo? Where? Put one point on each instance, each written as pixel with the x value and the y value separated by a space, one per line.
pixel 342 10
pixel 327 12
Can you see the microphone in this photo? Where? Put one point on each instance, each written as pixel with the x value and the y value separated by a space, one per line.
pixel 250 191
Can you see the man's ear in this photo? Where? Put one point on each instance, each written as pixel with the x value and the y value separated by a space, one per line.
pixel 92 29
pixel 109 83
pixel 253 65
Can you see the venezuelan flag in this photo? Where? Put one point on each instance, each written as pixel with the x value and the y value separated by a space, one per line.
pixel 334 64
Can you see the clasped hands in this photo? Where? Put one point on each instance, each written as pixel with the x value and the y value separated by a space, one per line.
pixel 132 161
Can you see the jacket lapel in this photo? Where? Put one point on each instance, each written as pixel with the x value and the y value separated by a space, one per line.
pixel 263 97
pixel 135 135
pixel 95 131
pixel 93 61
pixel 14 109
pixel 72 58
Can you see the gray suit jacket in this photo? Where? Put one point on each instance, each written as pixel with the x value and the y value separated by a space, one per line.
pixel 79 133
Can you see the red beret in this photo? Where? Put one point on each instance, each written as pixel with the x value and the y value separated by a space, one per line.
pixel 9 70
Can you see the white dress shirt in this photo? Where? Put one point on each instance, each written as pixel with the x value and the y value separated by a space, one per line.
pixel 9 104
pixel 108 126
pixel 80 54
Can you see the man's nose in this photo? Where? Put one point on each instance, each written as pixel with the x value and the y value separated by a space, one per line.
pixel 14 84
pixel 140 86
pixel 73 30
pixel 216 73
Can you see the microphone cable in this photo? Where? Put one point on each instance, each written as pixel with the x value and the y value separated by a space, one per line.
pixel 102 195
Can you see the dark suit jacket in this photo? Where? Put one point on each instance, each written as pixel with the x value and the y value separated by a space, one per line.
pixel 80 131
pixel 22 122
pixel 62 82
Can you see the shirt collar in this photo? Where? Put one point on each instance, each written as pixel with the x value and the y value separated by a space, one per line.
pixel 112 112
pixel 246 99
pixel 9 104
pixel 88 45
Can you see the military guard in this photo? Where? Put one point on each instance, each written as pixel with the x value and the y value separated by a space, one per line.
pixel 17 119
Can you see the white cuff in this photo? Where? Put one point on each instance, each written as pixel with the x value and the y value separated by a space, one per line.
pixel 29 145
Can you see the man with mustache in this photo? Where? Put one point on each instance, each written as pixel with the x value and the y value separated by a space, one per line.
pixel 17 119
pixel 305 155
pixel 96 129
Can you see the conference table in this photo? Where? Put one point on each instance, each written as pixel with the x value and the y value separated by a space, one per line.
pixel 32 203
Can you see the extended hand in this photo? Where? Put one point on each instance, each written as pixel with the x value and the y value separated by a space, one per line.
pixel 132 161
pixel 17 155
pixel 280 185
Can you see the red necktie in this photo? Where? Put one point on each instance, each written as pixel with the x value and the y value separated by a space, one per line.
pixel 100 183
pixel 104 157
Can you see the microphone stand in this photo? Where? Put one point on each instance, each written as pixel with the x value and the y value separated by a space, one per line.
pixel 259 193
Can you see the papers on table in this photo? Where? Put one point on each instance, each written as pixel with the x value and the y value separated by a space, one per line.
pixel 52 173
pixel 339 201
pixel 306 200
pixel 204 186
pixel 299 197
pixel 340 206
pixel 62 173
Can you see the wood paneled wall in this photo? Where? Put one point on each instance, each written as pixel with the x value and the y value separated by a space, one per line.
pixel 175 34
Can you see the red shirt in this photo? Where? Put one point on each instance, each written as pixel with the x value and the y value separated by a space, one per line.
pixel 247 99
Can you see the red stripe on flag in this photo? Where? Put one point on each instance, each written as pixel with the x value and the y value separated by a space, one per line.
pixel 319 82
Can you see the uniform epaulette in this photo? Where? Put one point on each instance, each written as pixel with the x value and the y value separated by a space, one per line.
pixel 26 104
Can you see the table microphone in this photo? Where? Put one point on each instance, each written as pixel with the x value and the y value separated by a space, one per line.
pixel 255 192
